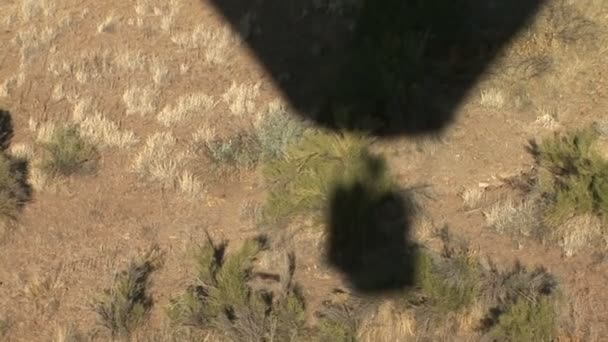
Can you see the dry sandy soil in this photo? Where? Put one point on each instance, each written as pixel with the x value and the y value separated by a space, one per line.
pixel 138 73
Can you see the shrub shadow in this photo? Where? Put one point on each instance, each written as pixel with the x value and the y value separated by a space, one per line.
pixel 17 189
pixel 368 234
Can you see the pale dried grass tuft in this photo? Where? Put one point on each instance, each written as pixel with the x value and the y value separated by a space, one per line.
pixel 186 107
pixel 472 197
pixel 241 99
pixel 217 44
pixel 388 324
pixel 579 233
pixel 140 100
pixel 157 161
pixel 492 98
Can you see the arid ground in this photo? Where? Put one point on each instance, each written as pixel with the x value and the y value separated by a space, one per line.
pixel 163 92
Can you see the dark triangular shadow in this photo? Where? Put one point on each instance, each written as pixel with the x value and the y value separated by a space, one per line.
pixel 395 67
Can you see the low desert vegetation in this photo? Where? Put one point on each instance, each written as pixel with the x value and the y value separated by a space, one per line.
pixel 314 167
pixel 125 306
pixel 575 175
pixel 68 153
pixel 272 132
pixel 454 294
pixel 568 201
pixel 223 298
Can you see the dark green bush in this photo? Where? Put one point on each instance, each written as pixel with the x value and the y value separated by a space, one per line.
pixel 125 306
pixel 575 177
pixel 223 300
pixel 68 153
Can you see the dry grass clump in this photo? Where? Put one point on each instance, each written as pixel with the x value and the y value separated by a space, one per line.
pixel 492 98
pixel 160 161
pixel 241 98
pixel 33 41
pixel 125 306
pixel 387 323
pixel 131 61
pixel 33 8
pixel 140 100
pixel 108 25
pixel 511 217
pixel 185 108
pixel 472 197
pixel 581 232
pixel 157 160
pixel 98 129
pixel 217 44
pixel 105 133
pixel 69 333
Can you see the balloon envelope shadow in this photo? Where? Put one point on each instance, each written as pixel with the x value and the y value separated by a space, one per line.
pixel 391 67
pixel 368 228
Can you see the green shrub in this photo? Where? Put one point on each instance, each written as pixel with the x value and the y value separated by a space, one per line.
pixel 447 284
pixel 522 304
pixel 576 181
pixel 68 152
pixel 303 181
pixel 223 300
pixel 526 320
pixel 126 305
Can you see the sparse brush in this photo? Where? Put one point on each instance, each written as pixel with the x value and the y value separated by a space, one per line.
pixel 388 323
pixel 125 306
pixel 223 300
pixel 526 320
pixel 69 334
pixel 339 321
pixel 522 304
pixel 576 181
pixel 449 284
pixel 67 153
